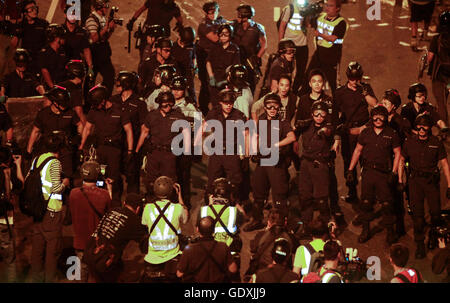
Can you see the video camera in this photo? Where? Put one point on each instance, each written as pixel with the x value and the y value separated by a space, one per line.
pixel 441 231
pixel 353 268
pixel 118 21
pixel 101 182
pixel 312 10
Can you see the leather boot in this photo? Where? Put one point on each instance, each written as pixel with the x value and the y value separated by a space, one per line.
pixel 420 250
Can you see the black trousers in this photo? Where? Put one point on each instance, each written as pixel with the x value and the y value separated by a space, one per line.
pixel 419 190
pixel 112 157
pixel 301 60
pixel 203 98
pixel 224 165
pixel 160 163
pixel 348 146
pixel 132 170
pixel 106 69
pixel 183 168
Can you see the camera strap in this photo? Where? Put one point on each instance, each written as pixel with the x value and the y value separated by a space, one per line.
pixel 90 203
pixel 162 216
pixel 219 219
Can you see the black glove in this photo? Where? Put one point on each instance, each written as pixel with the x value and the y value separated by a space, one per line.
pixel 302 123
pixel 448 193
pixel 130 24
pixel 257 60
pixel 350 178
pixel 324 132
pixel 400 187
pixel 443 132
pixel 391 178
pixel 129 158
pixel 178 27
pixel 255 159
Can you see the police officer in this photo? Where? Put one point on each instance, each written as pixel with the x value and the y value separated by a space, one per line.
pixel 222 161
pixel 227 217
pixel 51 58
pixel 109 121
pixel 161 161
pixel 275 176
pixel 392 101
pixel 330 31
pixel 439 64
pixel 100 30
pixel 21 82
pixel 352 101
pixel 293 26
pixel 76 42
pixel 283 64
pixel 221 56
pixel 237 81
pixel 57 119
pixel 75 72
pixel 162 79
pixel 192 113
pixel 136 109
pixel 160 57
pixel 33 34
pixel 151 34
pixel 376 144
pixel 184 54
pixel 424 151
pixel 277 272
pixel 250 36
pixel 159 12
pixel 207 39
pixel 318 139
pixel 163 243
pixel 6 125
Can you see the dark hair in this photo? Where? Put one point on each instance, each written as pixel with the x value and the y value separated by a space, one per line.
pixel 206 226
pixel 331 250
pixel 338 3
pixel 399 254
pixel 316 72
pixel 318 229
pixel 285 76
pixel 134 200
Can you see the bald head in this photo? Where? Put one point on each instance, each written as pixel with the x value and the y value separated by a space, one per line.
pixel 206 226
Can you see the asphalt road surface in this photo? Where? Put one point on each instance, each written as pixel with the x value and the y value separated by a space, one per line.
pixel 382 48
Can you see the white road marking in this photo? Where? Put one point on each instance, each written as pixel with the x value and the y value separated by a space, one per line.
pixel 51 11
pixel 404 43
pixel 403 27
pixel 276 13
pixel 351 19
pixel 355 25
pixel 382 24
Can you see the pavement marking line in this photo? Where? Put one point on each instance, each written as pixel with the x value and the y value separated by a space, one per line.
pixel 51 11
pixel 276 13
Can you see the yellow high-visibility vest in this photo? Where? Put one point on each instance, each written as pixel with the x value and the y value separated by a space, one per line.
pixel 326 27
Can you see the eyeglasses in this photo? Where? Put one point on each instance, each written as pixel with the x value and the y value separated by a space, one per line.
pixel 425 129
pixel 224 35
pixel 378 119
pixel 272 107
pixel 166 105
pixel 167 50
pixel 321 114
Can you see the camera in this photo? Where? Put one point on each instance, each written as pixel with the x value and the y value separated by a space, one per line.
pixel 118 21
pixel 442 231
pixel 353 268
pixel 101 182
pixel 313 9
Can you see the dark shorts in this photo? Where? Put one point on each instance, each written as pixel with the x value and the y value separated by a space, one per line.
pixel 421 12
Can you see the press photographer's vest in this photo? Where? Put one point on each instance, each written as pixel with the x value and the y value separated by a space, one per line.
pixel 163 241
pixel 228 218
pixel 409 275
pixel 55 202
pixel 294 26
pixel 327 274
pixel 325 26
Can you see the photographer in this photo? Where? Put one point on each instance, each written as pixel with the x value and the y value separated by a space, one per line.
pixel 398 257
pixel 441 260
pixel 207 260
pixel 100 30
pixel 88 204
pixel 11 181
pixel 328 272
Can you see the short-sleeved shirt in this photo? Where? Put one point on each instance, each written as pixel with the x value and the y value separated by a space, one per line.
pixel 34 35
pixel 207 26
pixel 47 121
pixel 378 149
pixel 75 42
pixel 306 102
pixel 244 101
pixel 147 69
pixel 401 126
pixel 75 91
pixel 135 108
pixel 160 127
pixel 302 256
pixel 248 40
pixel 119 226
pixel 108 123
pixel 5 119
pixel 234 116
pixel 280 67
pixel 84 218
pixel 409 112
pixel 423 155
pixel 316 146
pixel 184 58
pixel 332 55
pixel 160 13
pixel 17 87
pixel 353 105
pixel 287 110
pixel 283 129
pixel 198 267
pixel 92 26
pixel 54 62
pixel 220 58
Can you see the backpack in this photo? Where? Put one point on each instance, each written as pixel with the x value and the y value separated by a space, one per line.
pixel 31 200
pixel 314 277
pixel 404 279
pixel 291 13
pixel 317 259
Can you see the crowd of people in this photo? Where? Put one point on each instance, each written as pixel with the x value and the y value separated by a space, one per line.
pixel 117 137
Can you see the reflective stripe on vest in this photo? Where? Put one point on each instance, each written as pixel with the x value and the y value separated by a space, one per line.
pixel 307 261
pixel 166 239
pixel 327 277
pixel 231 225
pixel 325 26
pixel 55 201
pixel 294 25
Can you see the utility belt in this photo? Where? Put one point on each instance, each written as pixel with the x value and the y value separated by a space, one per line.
pixel 113 142
pixel 375 166
pixel 317 161
pixel 160 147
pixel 424 174
pixel 353 128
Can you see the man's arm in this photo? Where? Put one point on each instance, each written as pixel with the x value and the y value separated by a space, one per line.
pixel 47 77
pixel 444 164
pixel 129 133
pixel 86 132
pixel 144 134
pixel 88 57
pixel 263 43
pixel 355 156
pixel 282 30
pixel 79 111
pixel 33 136
pixel 290 138
pixel 401 169
pixel 397 155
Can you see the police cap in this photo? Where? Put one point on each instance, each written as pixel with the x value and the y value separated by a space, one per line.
pixel 97 95
pixel 237 75
pixel 227 96
pixel 55 31
pixel 163 42
pixel 416 88
pixel 163 187
pixel 22 56
pixel 127 80
pixel 354 70
pixel 165 97
pixel 222 188
pixel 178 83
pixel 319 105
pixel 187 36
pixel 166 72
pixel 59 95
pixel 281 250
